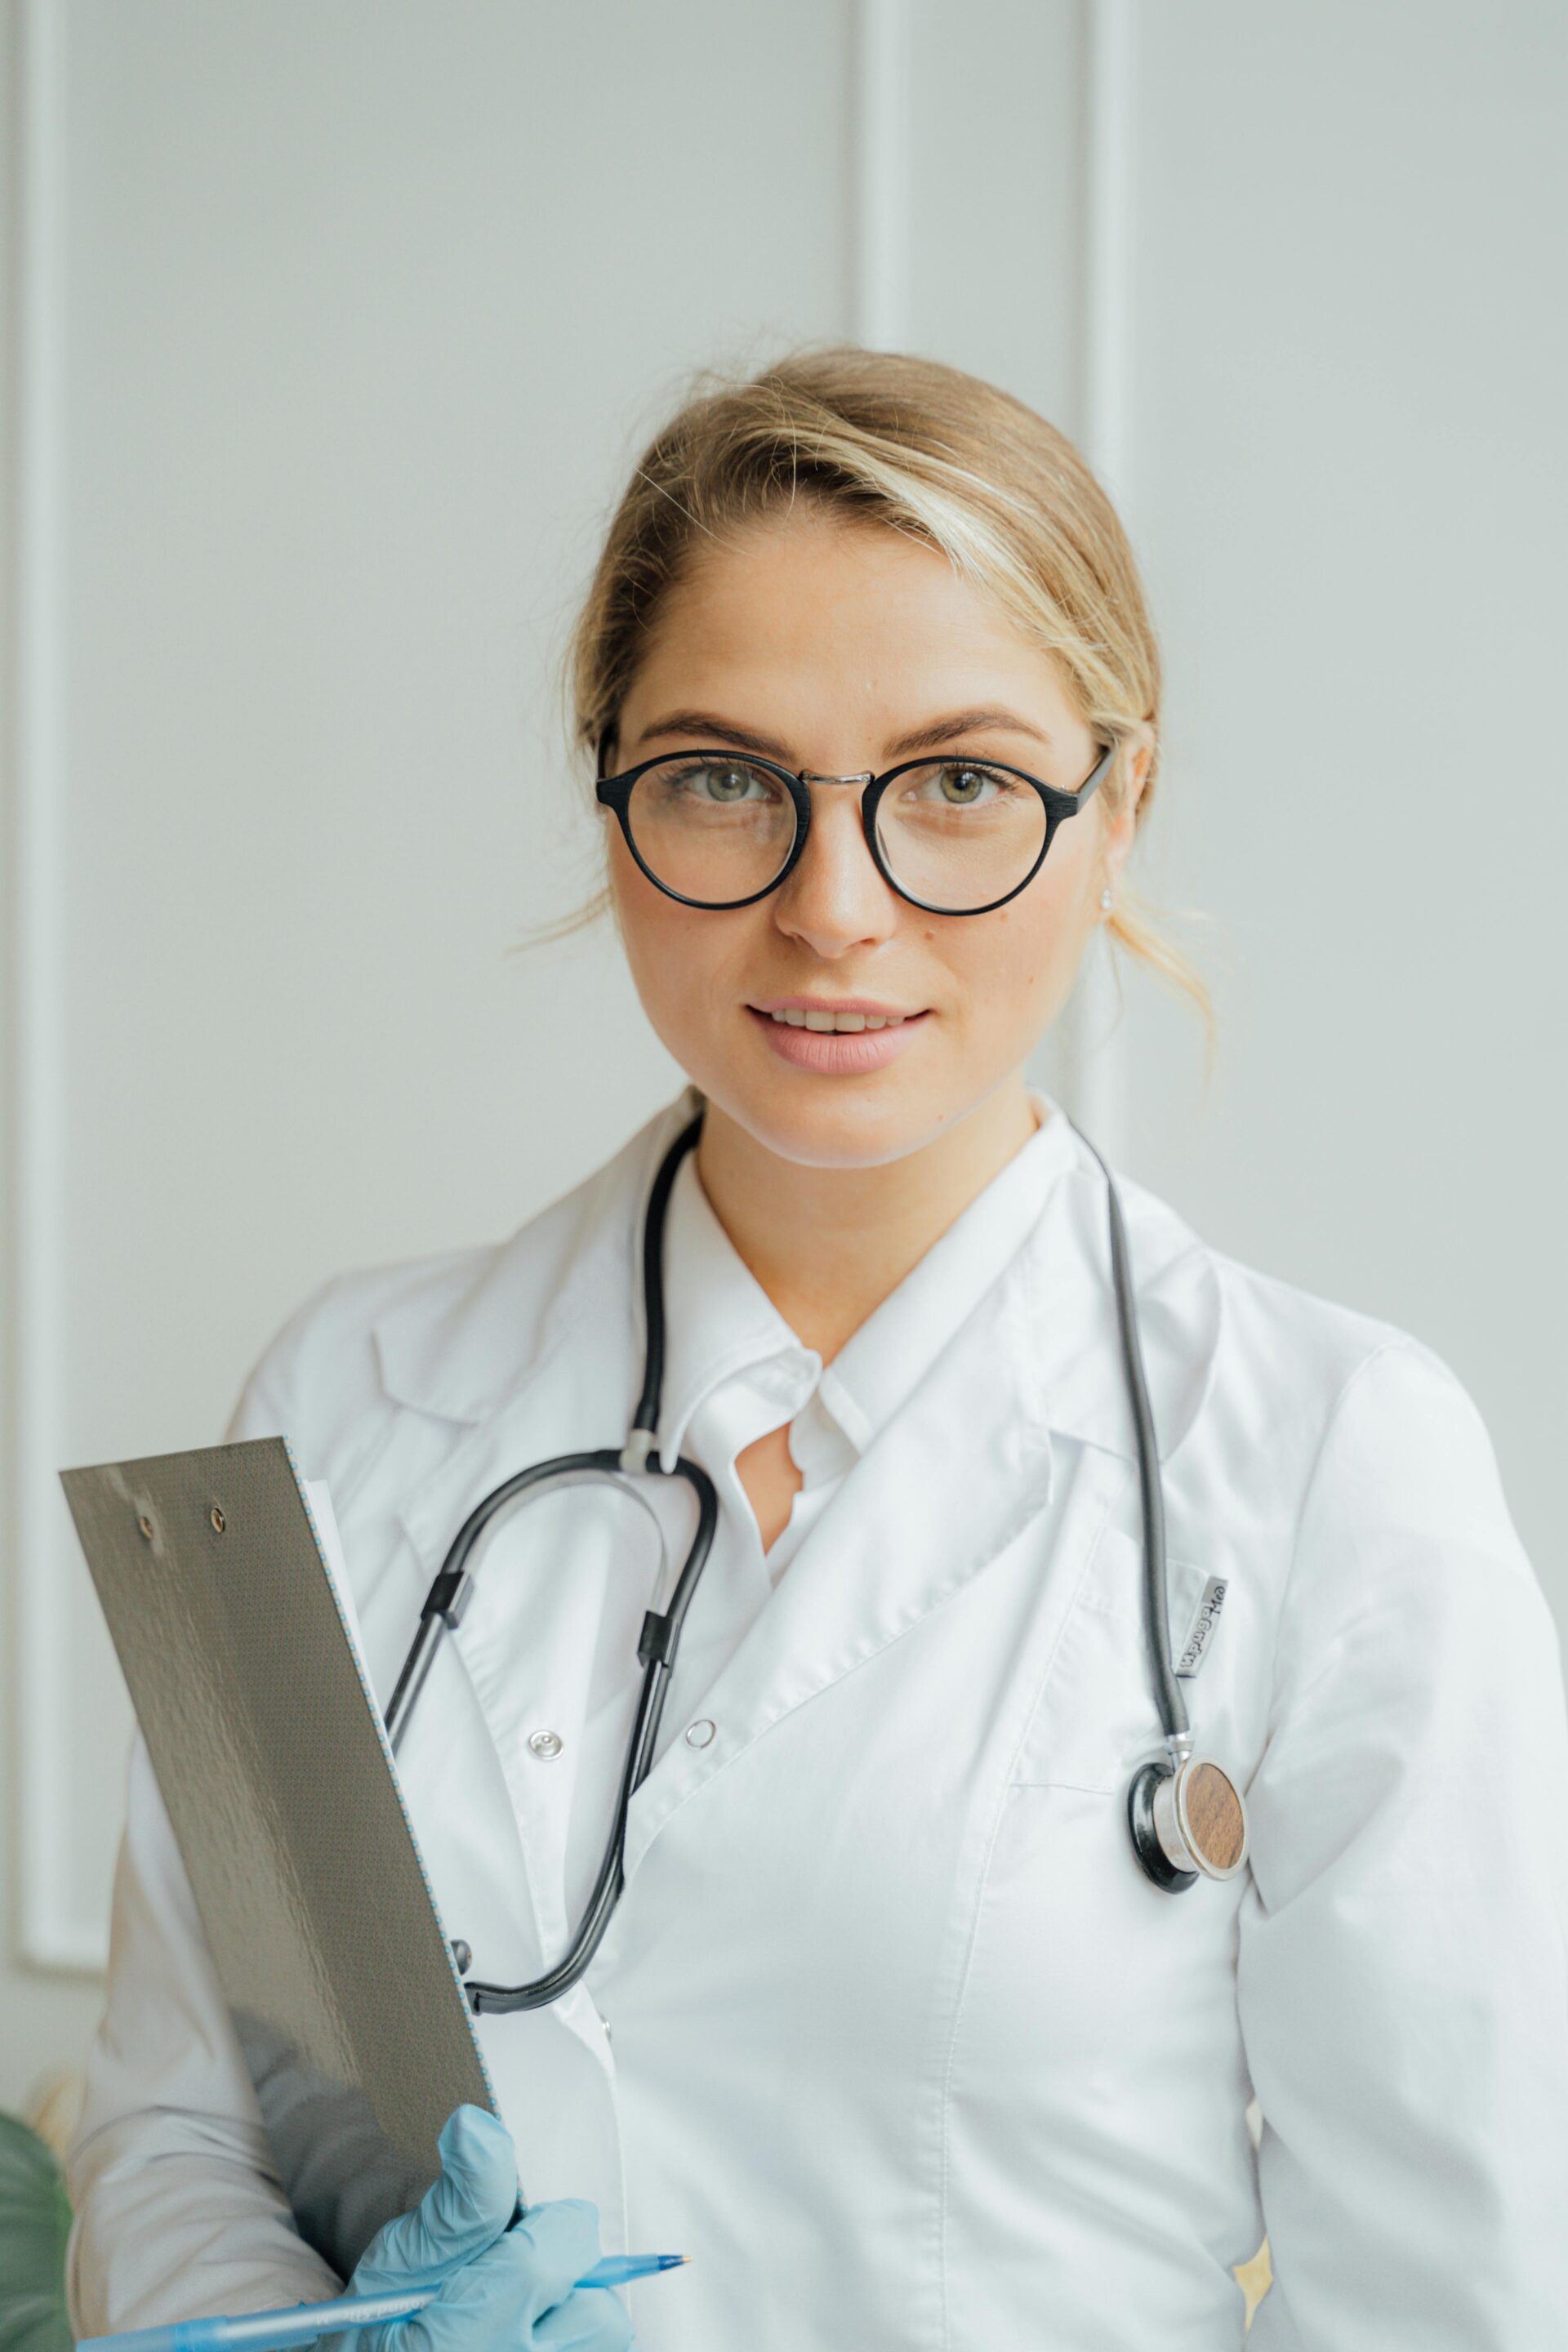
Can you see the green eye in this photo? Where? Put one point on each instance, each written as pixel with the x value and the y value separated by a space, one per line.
pixel 956 784
pixel 716 784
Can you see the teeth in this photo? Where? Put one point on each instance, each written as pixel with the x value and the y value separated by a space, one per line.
pixel 849 1024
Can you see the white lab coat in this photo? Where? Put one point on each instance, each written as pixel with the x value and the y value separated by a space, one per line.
pixel 890 2032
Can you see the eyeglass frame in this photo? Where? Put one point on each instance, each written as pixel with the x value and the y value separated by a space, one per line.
pixel 615 792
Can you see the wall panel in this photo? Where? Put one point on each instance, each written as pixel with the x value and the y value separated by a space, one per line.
pixel 1349 484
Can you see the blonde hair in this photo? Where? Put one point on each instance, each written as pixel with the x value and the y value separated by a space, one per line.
pixel 876 436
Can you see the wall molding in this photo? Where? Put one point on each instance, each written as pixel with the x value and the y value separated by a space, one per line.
pixel 1095 1079
pixel 879 127
pixel 48 1936
pixel 1108 165
pixel 1099 1050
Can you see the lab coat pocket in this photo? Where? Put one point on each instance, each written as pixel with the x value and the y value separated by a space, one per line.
pixel 1095 1718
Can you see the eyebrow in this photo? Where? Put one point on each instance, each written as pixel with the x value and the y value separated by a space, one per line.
pixel 986 717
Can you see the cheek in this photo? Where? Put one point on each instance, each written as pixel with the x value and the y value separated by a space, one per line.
pixel 678 956
pixel 1023 959
pixel 663 943
pixel 652 927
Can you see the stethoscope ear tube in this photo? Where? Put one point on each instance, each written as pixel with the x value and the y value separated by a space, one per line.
pixel 658 1647
pixel 644 1420
pixel 658 1650
pixel 448 1596
pixel 1168 1695
pixel 450 1592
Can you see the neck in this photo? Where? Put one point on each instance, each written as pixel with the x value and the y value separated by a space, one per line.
pixel 829 1245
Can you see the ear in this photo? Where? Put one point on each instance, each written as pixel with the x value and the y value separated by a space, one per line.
pixel 1121 830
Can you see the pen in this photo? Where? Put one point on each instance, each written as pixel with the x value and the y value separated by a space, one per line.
pixel 298 2322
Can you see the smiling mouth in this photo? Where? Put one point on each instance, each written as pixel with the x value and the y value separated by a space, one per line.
pixel 835 1040
pixel 845 1023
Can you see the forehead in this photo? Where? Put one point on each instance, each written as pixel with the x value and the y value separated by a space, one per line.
pixel 805 602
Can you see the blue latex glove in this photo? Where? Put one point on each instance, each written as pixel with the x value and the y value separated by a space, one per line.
pixel 502 2289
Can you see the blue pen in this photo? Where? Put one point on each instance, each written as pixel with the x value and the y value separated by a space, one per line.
pixel 259 2331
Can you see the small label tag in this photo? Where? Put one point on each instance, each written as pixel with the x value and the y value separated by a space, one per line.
pixel 1206 1617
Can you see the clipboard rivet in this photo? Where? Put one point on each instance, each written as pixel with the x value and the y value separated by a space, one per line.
pixel 217 1517
pixel 146 1525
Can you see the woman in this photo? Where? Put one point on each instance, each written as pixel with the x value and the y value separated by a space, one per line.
pixel 891 2031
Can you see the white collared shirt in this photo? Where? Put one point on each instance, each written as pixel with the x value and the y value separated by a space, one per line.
pixel 736 1370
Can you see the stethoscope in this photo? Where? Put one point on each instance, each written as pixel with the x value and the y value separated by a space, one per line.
pixel 1187 1817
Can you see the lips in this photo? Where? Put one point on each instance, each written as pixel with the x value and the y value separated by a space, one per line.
pixel 843 1040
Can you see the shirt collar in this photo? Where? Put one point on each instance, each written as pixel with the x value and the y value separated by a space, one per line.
pixel 881 1364
pixel 721 1323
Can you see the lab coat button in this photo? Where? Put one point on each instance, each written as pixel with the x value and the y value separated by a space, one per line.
pixel 698 1735
pixel 545 1743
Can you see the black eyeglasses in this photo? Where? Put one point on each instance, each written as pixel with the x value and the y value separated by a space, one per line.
pixel 955 836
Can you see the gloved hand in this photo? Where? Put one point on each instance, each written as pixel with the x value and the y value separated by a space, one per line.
pixel 502 2289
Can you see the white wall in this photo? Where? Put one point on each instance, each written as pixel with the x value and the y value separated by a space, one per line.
pixel 332 330
pixel 1350 489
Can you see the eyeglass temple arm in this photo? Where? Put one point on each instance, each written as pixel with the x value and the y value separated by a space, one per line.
pixel 1096 775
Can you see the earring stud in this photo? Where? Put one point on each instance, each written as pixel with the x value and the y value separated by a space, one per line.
pixel 1106 901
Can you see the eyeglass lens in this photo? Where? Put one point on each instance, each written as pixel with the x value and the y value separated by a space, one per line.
pixel 954 834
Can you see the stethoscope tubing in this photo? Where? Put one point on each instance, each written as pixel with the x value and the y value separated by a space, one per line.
pixel 1168 1695
pixel 659 1644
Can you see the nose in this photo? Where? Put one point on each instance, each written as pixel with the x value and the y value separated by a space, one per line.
pixel 836 900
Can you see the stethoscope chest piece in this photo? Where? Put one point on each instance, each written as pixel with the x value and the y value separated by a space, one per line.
pixel 1188 1822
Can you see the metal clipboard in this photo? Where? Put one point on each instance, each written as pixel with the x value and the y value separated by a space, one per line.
pixel 273 1763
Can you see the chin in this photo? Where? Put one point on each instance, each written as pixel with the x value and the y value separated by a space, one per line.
pixel 832 1122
